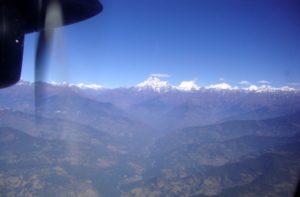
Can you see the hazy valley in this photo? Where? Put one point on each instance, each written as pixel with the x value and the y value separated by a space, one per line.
pixel 142 142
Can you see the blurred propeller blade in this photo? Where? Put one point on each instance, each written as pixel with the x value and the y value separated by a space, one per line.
pixel 41 59
pixel 53 18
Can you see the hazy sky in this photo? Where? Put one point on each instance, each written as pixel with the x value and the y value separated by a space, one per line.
pixel 207 40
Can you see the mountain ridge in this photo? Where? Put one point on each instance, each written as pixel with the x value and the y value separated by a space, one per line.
pixel 155 84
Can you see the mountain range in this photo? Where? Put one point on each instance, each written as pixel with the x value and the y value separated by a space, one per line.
pixel 156 84
pixel 153 139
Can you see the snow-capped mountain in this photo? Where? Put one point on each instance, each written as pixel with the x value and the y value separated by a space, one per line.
pixel 88 86
pixel 155 84
pixel 268 88
pixel 188 86
pixel 82 86
pixel 221 86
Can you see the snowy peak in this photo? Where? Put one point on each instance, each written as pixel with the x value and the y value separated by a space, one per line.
pixel 251 88
pixel 88 86
pixel 188 86
pixel 268 88
pixel 220 86
pixel 82 86
pixel 23 83
pixel 155 84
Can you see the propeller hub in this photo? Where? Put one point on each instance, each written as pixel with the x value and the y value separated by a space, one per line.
pixel 18 17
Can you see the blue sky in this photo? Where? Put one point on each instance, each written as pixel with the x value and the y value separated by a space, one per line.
pixel 207 40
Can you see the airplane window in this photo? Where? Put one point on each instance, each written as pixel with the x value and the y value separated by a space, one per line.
pixel 148 98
